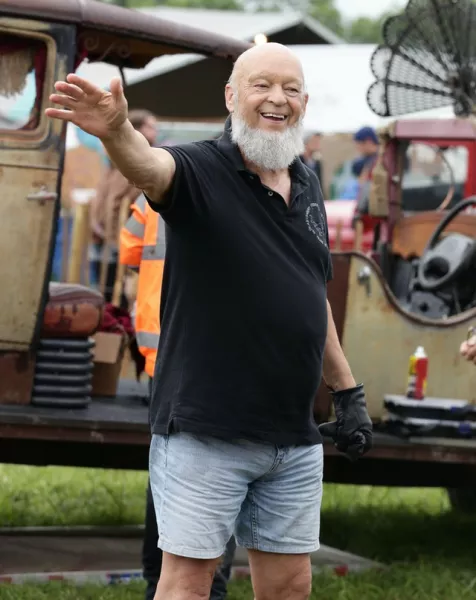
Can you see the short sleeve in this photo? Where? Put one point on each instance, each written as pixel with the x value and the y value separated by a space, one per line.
pixel 184 200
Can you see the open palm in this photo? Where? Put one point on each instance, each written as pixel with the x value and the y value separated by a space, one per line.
pixel 94 110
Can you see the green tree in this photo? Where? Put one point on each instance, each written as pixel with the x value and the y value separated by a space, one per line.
pixel 364 30
pixel 326 12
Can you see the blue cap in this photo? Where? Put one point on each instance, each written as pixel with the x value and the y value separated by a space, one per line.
pixel 366 133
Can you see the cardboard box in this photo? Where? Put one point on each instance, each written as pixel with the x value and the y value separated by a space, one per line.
pixel 108 354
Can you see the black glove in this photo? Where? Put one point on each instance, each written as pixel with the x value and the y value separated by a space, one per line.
pixel 352 431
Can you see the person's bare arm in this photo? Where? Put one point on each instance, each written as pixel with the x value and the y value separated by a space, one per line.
pixel 103 114
pixel 149 169
pixel 336 369
pixel 468 349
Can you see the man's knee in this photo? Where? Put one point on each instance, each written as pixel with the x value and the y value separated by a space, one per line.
pixel 281 577
pixel 296 586
pixel 185 578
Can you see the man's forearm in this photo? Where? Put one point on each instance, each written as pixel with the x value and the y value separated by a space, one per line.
pixel 336 369
pixel 149 169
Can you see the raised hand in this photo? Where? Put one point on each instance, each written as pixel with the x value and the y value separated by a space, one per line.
pixel 94 110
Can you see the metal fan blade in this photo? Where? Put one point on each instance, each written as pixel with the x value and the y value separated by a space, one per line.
pixel 428 59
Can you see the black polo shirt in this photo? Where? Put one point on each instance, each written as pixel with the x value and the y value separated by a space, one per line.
pixel 243 308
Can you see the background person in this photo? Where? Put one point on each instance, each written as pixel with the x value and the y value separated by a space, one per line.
pixel 105 209
pixel 468 348
pixel 312 155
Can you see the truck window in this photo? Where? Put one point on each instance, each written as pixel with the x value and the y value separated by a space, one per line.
pixel 22 75
pixel 430 173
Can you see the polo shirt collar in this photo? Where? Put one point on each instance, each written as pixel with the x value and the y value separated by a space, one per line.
pixel 228 147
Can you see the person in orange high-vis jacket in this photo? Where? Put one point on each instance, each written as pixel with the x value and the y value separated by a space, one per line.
pixel 142 247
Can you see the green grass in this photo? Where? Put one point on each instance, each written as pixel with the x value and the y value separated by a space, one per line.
pixel 429 547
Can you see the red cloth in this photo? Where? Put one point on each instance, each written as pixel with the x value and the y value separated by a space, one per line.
pixel 116 320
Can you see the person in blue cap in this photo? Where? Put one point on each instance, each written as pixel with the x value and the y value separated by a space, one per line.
pixel 366 140
pixel 352 187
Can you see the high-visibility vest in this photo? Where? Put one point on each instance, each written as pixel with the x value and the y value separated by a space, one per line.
pixel 142 247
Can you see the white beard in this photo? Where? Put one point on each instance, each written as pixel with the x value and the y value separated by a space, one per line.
pixel 268 150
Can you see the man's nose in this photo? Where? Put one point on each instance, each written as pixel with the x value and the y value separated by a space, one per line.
pixel 277 95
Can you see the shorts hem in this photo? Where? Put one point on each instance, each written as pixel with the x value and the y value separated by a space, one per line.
pixel 186 552
pixel 280 549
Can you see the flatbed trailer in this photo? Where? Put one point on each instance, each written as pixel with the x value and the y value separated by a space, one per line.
pixel 114 433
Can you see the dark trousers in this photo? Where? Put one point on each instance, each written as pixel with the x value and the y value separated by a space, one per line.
pixel 152 557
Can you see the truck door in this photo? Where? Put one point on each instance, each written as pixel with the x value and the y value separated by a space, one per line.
pixel 33 55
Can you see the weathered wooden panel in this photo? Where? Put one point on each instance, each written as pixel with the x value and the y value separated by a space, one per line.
pixel 26 229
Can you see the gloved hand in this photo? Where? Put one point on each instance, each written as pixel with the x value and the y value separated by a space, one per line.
pixel 352 431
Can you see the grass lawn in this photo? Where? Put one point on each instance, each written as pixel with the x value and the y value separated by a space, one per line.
pixel 431 548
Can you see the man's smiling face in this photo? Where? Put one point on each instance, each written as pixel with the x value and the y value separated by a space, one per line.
pixel 270 87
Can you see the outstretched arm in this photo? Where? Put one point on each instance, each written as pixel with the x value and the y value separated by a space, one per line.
pixel 149 169
pixel 104 114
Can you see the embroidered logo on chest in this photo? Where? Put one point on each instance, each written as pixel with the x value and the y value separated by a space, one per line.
pixel 315 222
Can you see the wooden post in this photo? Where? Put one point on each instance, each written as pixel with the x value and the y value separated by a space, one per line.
pixel 121 269
pixel 359 230
pixel 65 242
pixel 106 250
pixel 80 235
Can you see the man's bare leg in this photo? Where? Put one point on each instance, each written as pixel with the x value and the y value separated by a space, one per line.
pixel 280 576
pixel 185 578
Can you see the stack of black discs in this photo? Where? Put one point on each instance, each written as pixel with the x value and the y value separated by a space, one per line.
pixel 63 373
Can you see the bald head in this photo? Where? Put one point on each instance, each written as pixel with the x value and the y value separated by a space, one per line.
pixel 272 54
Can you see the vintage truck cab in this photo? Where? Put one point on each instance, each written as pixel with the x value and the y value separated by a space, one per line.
pixel 414 282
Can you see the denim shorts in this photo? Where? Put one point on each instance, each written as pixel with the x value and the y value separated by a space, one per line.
pixel 205 489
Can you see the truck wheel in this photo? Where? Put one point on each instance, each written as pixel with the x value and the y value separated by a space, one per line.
pixel 463 499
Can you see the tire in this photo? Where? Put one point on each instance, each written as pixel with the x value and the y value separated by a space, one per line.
pixel 463 499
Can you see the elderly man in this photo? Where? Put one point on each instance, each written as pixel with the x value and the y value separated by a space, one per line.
pixel 246 330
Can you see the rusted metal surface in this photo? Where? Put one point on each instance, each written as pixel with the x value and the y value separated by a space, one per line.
pixel 101 24
pixel 428 129
pixel 337 296
pixel 379 337
pixel 16 377
pixel 25 250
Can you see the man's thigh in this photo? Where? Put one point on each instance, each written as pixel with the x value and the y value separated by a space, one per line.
pixel 198 485
pixel 281 513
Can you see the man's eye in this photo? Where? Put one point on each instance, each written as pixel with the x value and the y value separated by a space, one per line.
pixel 261 85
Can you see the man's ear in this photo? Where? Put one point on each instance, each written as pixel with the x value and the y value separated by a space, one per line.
pixel 229 96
